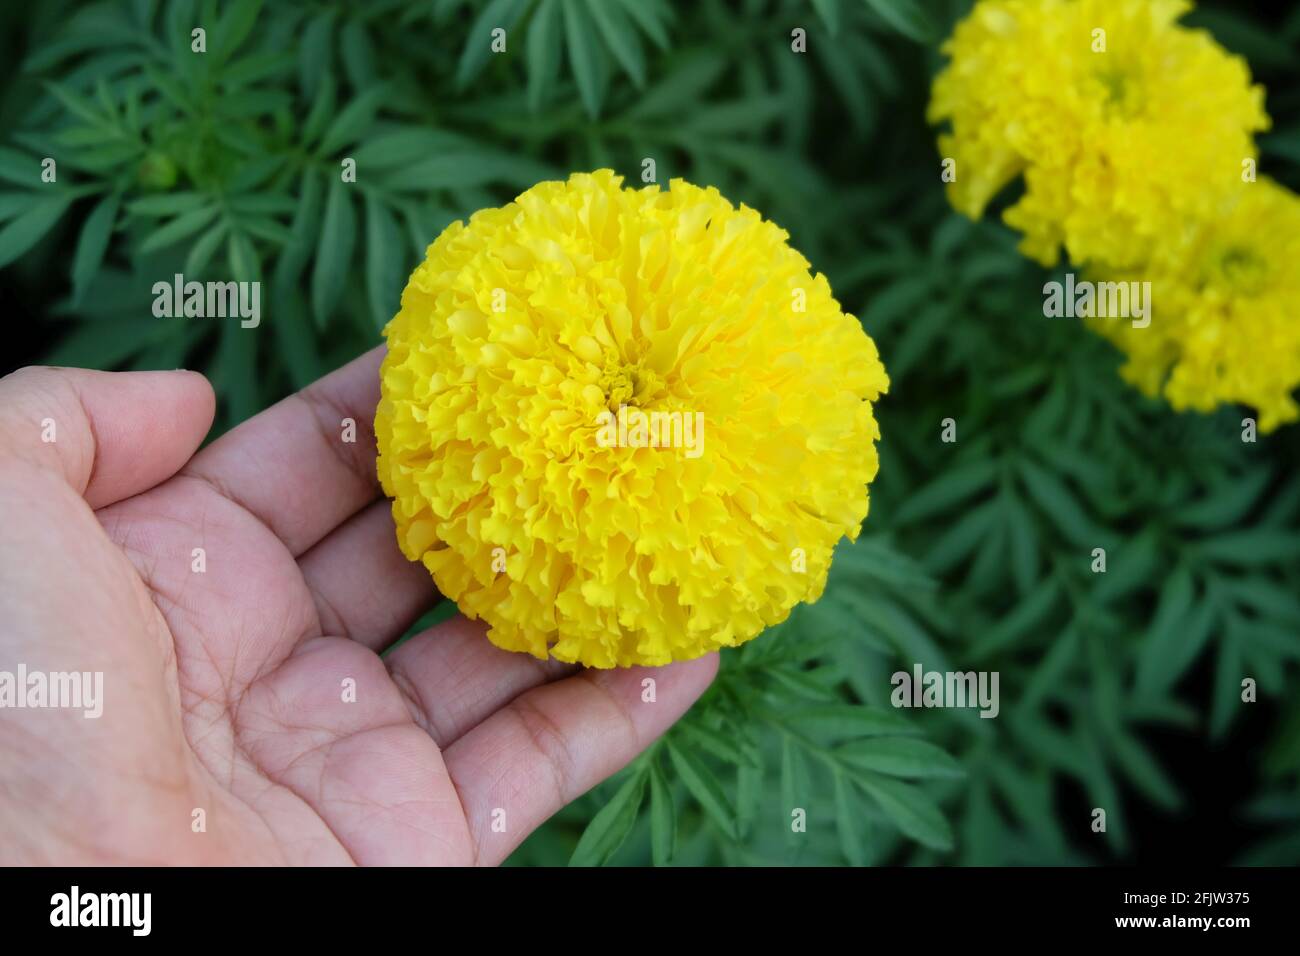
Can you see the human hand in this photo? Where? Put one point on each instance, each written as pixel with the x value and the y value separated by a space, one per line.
pixel 226 669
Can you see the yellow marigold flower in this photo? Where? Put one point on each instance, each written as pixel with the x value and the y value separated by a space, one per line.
pixel 1224 305
pixel 1122 122
pixel 525 333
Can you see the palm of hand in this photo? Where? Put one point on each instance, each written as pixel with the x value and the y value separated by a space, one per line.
pixel 236 608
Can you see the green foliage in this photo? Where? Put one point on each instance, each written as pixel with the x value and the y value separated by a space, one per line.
pixel 1054 459
pixel 977 554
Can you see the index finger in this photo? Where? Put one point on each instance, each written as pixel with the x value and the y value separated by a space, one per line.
pixel 307 463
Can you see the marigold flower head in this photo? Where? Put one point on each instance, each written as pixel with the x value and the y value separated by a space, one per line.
pixel 1224 306
pixel 527 328
pixel 1122 123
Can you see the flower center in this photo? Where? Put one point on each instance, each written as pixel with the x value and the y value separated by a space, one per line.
pixel 626 384
pixel 1120 89
pixel 1241 268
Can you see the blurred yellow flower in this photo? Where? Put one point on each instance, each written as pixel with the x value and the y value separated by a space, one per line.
pixel 1122 123
pixel 1225 301
pixel 520 337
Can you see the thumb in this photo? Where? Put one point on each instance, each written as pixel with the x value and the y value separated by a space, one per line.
pixel 109 435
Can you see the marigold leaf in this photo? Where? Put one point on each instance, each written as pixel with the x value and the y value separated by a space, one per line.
pixel 849 822
pixel 909 809
pixel 620 37
pixel 1168 630
pixel 358 54
pixel 900 757
pixel 611 824
pixel 179 228
pixel 1144 771
pixel 829 11
pixel 848 720
pixel 1250 548
pixel 353 120
pixel 93 244
pixel 501 14
pixel 544 46
pixel 795 784
pixel 663 819
pixel 322 108
pixel 704 787
pixel 27 229
pixel 196 263
pixel 385 261
pixel 13 203
pixel 105 345
pixel 584 55
pixel 314 53
pixel 234 27
pixel 333 253
pixel 908 17
pixel 167 204
pixel 691 77
pixel 244 264
pixel 19 168
pixel 650 16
